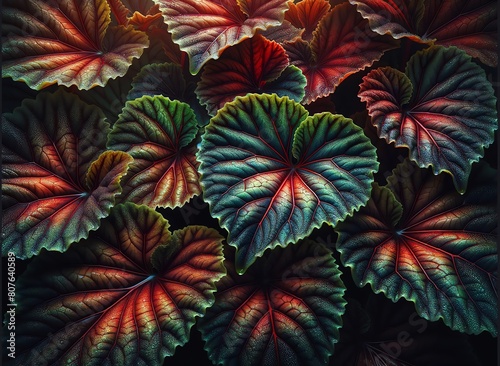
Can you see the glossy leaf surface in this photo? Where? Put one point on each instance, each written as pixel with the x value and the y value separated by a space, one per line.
pixel 160 135
pixel 204 28
pixel 68 43
pixel 128 295
pixel 342 45
pixel 417 239
pixel 467 24
pixel 271 174
pixel 57 181
pixel 443 110
pixel 255 65
pixel 285 310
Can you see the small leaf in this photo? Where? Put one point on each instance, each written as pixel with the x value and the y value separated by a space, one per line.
pixel 446 122
pixel 160 135
pixel 271 174
pixel 253 66
pixel 342 45
pixel 205 28
pixel 416 239
pixel 67 43
pixel 103 302
pixel 285 310
pixel 56 184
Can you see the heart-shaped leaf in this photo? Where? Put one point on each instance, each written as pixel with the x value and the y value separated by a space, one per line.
pixel 168 80
pixel 342 45
pixel 65 42
pixel 255 65
pixel 128 295
pixel 205 28
pixel 443 110
pixel 56 184
pixel 467 24
pixel 160 135
pixel 285 310
pixel 417 240
pixel 271 174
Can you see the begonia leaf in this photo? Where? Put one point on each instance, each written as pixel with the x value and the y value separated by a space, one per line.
pixel 342 44
pixel 271 174
pixel 285 310
pixel 443 109
pixel 205 28
pixel 127 295
pixel 160 135
pixel 57 180
pixel 255 65
pixel 66 42
pixel 417 239
pixel 470 25
pixel 306 14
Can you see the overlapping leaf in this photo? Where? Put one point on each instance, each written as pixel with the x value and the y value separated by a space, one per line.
pixel 418 240
pixel 128 295
pixel 168 80
pixel 342 44
pixel 469 25
pixel 68 43
pixel 160 135
pixel 443 109
pixel 285 310
pixel 255 65
pixel 57 181
pixel 271 174
pixel 204 28
pixel 306 14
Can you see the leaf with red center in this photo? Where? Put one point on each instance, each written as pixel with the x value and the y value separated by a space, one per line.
pixel 449 118
pixel 127 295
pixel 168 80
pixel 56 181
pixel 285 310
pixel 160 135
pixel 417 239
pixel 255 65
pixel 467 24
pixel 66 42
pixel 271 174
pixel 342 45
pixel 306 14
pixel 205 28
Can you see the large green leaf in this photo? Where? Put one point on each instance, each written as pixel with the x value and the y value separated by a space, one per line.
pixel 271 174
pixel 419 240
pixel 57 179
pixel 127 295
pixel 442 109
pixel 285 310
